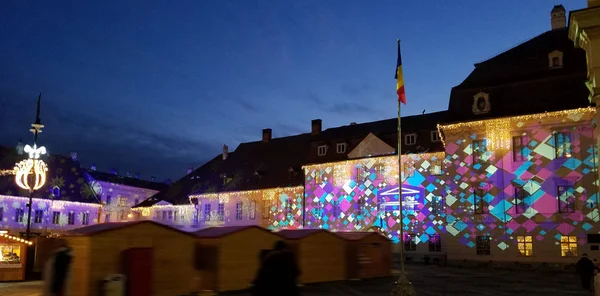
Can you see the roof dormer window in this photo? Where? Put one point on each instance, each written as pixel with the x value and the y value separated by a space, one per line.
pixel 555 59
pixel 322 150
pixel 340 148
pixel 410 139
pixel 435 136
pixel 481 103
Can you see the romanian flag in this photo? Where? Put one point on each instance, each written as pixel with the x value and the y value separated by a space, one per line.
pixel 400 78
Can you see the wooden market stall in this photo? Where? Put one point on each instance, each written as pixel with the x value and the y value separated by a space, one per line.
pixel 228 257
pixel 320 254
pixel 368 254
pixel 13 259
pixel 156 259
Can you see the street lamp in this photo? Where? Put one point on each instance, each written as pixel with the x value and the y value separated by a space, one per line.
pixel 30 173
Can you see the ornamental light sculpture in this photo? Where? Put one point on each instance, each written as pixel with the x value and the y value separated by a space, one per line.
pixel 30 173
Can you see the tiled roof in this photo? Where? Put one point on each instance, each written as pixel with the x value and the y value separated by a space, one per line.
pixel 221 231
pixel 63 172
pixel 105 227
pixel 128 181
pixel 520 81
pixel 147 202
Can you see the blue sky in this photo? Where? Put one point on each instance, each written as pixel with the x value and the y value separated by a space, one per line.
pixel 156 86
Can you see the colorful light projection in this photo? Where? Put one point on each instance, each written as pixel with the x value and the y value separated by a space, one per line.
pixel 534 188
pixel 359 194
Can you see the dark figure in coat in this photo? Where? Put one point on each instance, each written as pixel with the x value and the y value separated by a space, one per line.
pixel 585 269
pixel 57 270
pixel 278 274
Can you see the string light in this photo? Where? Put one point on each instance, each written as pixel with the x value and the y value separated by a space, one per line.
pixel 499 131
pixel 7 172
pixel 56 204
pixel 15 238
pixel 262 194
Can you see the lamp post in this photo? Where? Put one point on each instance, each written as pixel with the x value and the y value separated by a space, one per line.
pixel 30 173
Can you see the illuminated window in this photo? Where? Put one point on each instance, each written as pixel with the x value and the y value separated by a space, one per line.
pixel 479 149
pixel 266 212
pixel 336 209
pixel 169 215
pixel 482 244
pixel 340 148
pixel 55 217
pixel 562 142
pixel 85 219
pixel 361 173
pixel 19 213
pixel 437 206
pixel 568 246
pixel 318 177
pixel 221 211
pixel 322 150
pixel 521 200
pixel 519 148
pixel 71 218
pixel 56 191
pixel 122 201
pixel 1 214
pixel 107 218
pixel 435 243
pixel 409 204
pixel 252 214
pixel 410 139
pixel 239 210
pixel 436 167
pixel 289 206
pixel 207 212
pixel 317 209
pixel 479 204
pixel 39 214
pixel 566 199
pixel 409 169
pixel 164 215
pixel 525 245
pixel 556 62
pixel 108 199
pixel 435 136
pixel 410 242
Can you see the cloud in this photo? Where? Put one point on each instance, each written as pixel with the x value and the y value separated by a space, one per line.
pixel 315 98
pixel 354 89
pixel 349 107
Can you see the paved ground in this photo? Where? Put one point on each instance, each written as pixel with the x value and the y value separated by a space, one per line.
pixel 427 280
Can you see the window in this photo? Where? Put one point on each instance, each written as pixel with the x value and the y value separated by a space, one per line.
pixel 555 59
pixel 107 218
pixel 410 139
pixel 479 204
pixel 39 215
pixel 19 213
pixel 71 218
pixel 317 209
pixel 207 212
pixel 340 148
pixel 239 210
pixel 568 246
pixel 252 214
pixel 435 136
pixel 85 219
pixel 436 205
pixel 521 200
pixel 322 150
pixel 410 242
pixel 408 204
pixel 519 148
pixel 562 141
pixel 122 201
pixel 525 245
pixel 318 178
pixel 170 215
pixel 479 149
pixel 336 209
pixel 221 211
pixel 361 173
pixel 108 199
pixel 409 170
pixel 482 243
pixel 196 220
pixel 289 207
pixel 164 216
pixel 1 214
pixel 566 199
pixel 266 211
pixel 435 243
pixel 436 167
pixel 56 191
pixel 55 217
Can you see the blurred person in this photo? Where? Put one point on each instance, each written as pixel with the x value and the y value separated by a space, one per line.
pixel 585 269
pixel 57 270
pixel 278 273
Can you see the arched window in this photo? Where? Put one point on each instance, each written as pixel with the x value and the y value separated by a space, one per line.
pixel 56 191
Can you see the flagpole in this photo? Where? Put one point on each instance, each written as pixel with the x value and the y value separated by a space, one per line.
pixel 403 286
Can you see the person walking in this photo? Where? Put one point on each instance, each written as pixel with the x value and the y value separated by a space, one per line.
pixel 585 269
pixel 57 270
pixel 278 273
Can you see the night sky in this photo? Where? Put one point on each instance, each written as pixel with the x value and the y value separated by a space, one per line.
pixel 156 86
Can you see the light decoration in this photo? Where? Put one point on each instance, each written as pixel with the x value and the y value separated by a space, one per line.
pixel 7 172
pixel 31 166
pixel 265 194
pixel 499 131
pixel 14 238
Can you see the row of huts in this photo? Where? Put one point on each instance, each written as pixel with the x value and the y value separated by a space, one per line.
pixel 159 260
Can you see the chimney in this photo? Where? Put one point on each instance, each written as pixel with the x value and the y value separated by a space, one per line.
pixel 189 170
pixel 267 134
pixel 152 178
pixel 558 17
pixel 74 156
pixel 225 152
pixel 593 3
pixel 113 171
pixel 316 127
pixel 20 147
pixel 93 167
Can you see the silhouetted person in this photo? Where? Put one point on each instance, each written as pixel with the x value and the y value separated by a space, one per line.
pixel 278 273
pixel 585 269
pixel 57 270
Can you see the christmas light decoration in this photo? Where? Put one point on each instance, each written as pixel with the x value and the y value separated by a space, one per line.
pixel 4 235
pixel 7 172
pixel 499 131
pixel 31 166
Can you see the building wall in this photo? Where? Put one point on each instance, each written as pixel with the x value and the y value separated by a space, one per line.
pixel 117 200
pixel 46 207
pixel 502 217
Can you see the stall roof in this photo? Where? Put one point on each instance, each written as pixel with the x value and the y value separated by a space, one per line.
pixel 356 235
pixel 105 227
pixel 221 231
pixel 300 233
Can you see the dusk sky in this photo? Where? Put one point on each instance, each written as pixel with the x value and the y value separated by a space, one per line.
pixel 156 86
